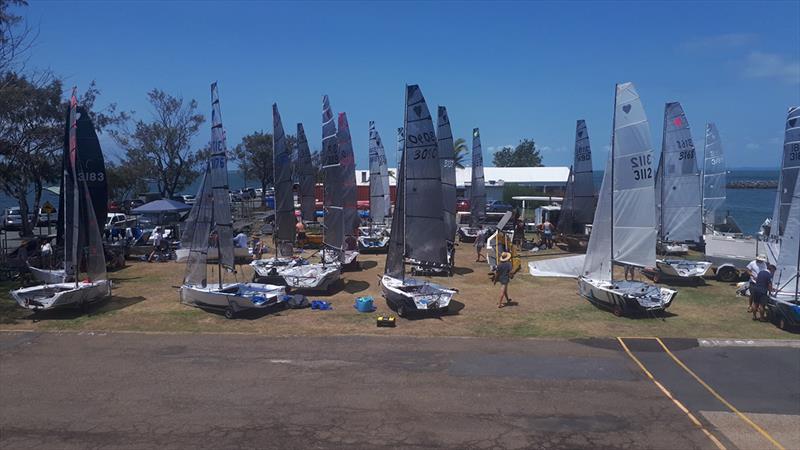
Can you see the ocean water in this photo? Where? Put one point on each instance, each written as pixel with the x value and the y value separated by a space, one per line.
pixel 748 206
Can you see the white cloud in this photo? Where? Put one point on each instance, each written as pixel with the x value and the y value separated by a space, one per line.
pixel 770 65
pixel 549 149
pixel 720 41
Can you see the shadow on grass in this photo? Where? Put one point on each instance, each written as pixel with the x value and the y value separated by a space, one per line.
pixel 453 309
pixel 355 286
pixel 636 315
pixel 100 308
pixel 253 313
pixel 462 271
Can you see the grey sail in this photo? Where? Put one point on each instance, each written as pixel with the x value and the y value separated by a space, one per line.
pixel 477 197
pixel 447 158
pixel 585 197
pixel 633 239
pixel 679 187
pixel 395 257
pixel 333 199
pixel 425 240
pixel 282 173
pixel 713 177
pixel 308 177
pixel 377 172
pixel 72 195
pixel 198 229
pixel 790 167
pixel 787 276
pixel 223 222
pixel 566 220
pixel 597 264
pixel 347 176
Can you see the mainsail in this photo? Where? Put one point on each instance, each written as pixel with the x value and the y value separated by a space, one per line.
pixel 395 257
pixel 713 176
pixel 212 208
pixel 580 199
pixel 378 177
pixel 347 176
pixel 477 198
pixel 424 222
pixel 678 180
pixel 333 198
pixel 282 172
pixel 447 157
pixel 632 204
pixel 787 275
pixel 308 177
pixel 790 166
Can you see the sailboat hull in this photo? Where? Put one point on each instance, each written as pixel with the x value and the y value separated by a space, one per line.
pixel 350 258
pixel 62 295
pixel 234 296
pixel 626 297
pixel 468 234
pixel 682 269
pixel 239 253
pixel 47 276
pixel 311 276
pixel 374 244
pixel 673 248
pixel 410 295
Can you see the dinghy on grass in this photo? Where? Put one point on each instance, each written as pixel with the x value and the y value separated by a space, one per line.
pixel 678 200
pixel 624 230
pixel 418 232
pixel 83 245
pixel 212 209
pixel 477 193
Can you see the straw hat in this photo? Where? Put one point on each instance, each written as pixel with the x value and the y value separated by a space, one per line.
pixel 761 258
pixel 505 256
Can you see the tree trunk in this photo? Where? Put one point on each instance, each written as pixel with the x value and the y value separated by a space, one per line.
pixel 27 228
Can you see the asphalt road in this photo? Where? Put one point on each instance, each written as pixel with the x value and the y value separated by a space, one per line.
pixel 232 391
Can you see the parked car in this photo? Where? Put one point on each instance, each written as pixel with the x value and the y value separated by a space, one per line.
pixel 235 197
pixel 462 204
pixel 118 220
pixel 188 199
pixel 114 206
pixel 12 218
pixel 498 206
pixel 247 193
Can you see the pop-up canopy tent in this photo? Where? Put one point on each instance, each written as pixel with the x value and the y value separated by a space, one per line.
pixel 162 212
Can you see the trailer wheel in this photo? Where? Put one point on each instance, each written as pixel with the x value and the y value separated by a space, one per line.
pixel 617 311
pixel 229 313
pixel 727 274
pixel 656 276
pixel 401 310
pixel 782 323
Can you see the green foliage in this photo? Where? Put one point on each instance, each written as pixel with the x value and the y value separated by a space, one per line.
pixel 524 155
pixel 460 152
pixel 254 154
pixel 161 148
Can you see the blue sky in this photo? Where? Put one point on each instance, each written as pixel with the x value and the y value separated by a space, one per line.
pixel 516 70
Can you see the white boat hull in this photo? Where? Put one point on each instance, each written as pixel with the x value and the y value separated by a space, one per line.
pixel 681 268
pixel 350 257
pixel 234 296
pixel 182 254
pixel 311 276
pixel 468 234
pixel 60 295
pixel 271 266
pixel 673 248
pixel 373 243
pixel 48 276
pixel 410 294
pixel 624 297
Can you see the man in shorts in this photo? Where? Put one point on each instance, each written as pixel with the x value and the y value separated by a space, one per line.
pixel 754 268
pixel 503 275
pixel 300 228
pixel 480 243
pixel 760 292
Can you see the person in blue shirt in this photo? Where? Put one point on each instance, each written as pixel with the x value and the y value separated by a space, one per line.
pixel 761 291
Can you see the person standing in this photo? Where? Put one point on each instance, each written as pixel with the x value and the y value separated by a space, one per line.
pixel 300 228
pixel 760 292
pixel 547 234
pixel 240 241
pixel 754 268
pixel 503 275
pixel 157 238
pixel 480 243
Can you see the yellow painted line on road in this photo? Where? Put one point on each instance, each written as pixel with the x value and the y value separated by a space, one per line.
pixel 669 394
pixel 722 400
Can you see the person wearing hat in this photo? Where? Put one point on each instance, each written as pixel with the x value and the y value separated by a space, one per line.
pixel 760 291
pixel 754 268
pixel 157 238
pixel 503 275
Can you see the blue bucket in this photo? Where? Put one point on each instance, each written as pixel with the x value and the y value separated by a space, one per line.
pixel 364 304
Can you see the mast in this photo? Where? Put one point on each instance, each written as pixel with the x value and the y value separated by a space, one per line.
pixel 661 176
pixel 613 142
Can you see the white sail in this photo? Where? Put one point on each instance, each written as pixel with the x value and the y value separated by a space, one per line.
pixel 679 186
pixel 597 264
pixel 786 276
pixel 713 176
pixel 790 166
pixel 633 203
pixel 585 198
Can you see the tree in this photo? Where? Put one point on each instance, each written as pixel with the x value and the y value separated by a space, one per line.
pixel 16 37
pixel 162 148
pixel 254 154
pixel 460 151
pixel 524 155
pixel 31 133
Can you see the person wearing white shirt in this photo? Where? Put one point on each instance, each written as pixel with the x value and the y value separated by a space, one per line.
pixel 240 241
pixel 755 266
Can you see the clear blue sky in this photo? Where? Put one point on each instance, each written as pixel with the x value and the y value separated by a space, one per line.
pixel 516 70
